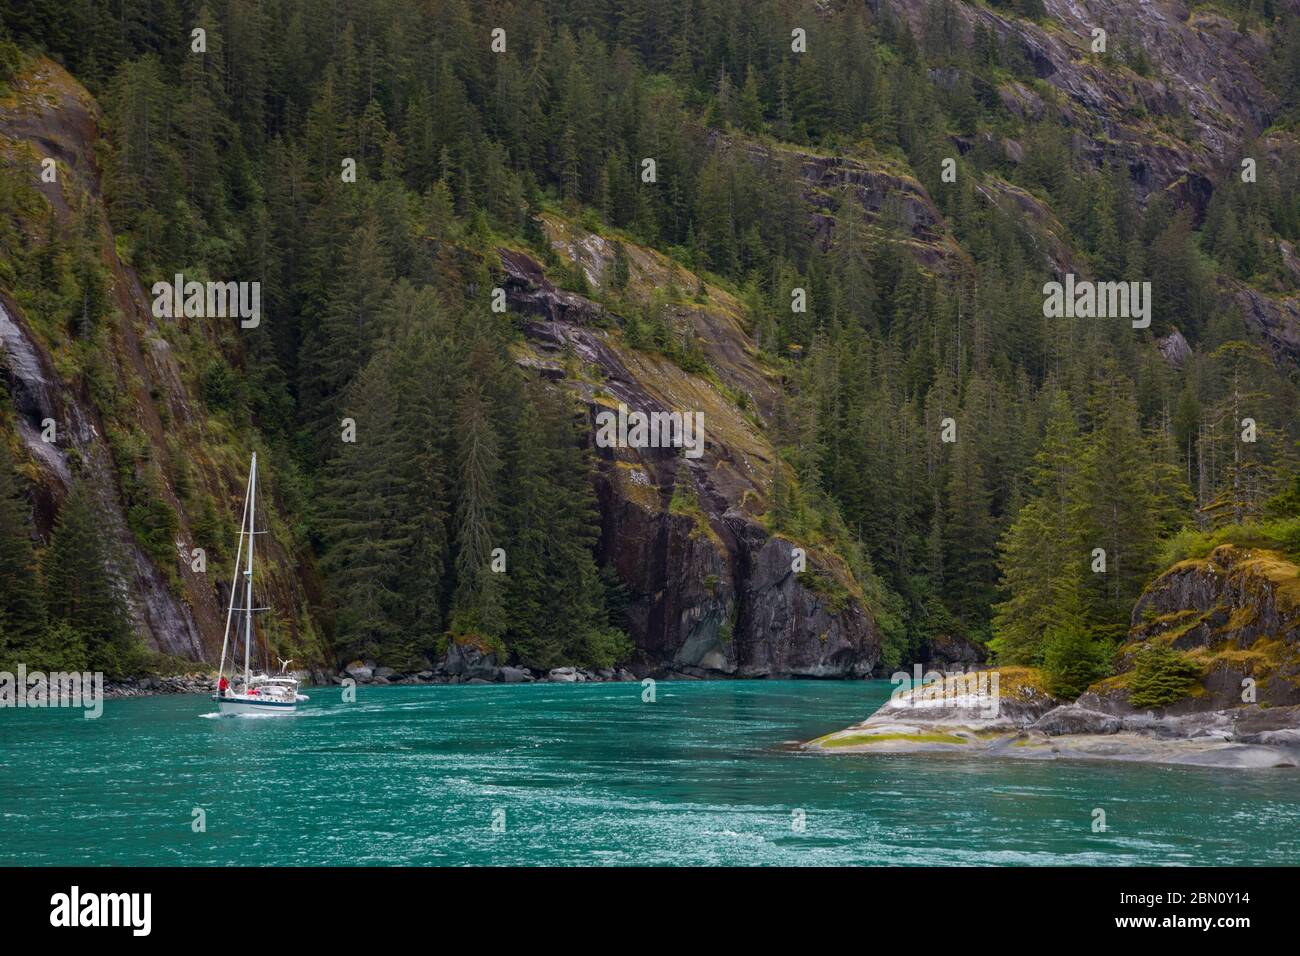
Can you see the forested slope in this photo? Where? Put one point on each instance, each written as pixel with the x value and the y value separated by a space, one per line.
pixel 910 173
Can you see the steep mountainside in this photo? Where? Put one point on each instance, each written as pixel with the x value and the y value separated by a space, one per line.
pixel 826 228
pixel 1176 97
pixel 128 411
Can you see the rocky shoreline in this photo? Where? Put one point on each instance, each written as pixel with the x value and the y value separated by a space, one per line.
pixel 369 673
pixel 194 683
pixel 466 669
pixel 1029 725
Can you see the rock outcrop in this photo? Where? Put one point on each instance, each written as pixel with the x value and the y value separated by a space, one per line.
pixel 889 197
pixel 1235 612
pixel 713 593
pixel 1204 77
pixel 1275 319
pixel 1029 725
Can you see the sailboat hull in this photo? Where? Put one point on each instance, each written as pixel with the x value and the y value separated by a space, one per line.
pixel 235 706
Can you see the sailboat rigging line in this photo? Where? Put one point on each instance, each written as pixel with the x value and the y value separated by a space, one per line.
pixel 234 584
pixel 248 574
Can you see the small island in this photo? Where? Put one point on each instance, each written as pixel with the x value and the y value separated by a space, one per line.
pixel 1209 676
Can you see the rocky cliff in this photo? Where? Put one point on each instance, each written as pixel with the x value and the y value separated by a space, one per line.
pixel 1176 123
pixel 712 590
pixel 1235 613
pixel 1176 97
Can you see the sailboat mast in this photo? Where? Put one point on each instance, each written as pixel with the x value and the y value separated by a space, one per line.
pixel 234 592
pixel 248 575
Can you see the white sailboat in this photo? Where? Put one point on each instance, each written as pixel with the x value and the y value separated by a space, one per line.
pixel 250 693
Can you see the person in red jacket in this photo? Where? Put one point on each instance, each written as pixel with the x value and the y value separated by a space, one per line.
pixel 223 687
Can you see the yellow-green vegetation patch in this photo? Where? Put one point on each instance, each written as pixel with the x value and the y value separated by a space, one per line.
pixel 1284 576
pixel 855 740
pixel 826 586
pixel 1188 620
pixel 1261 660
pixel 1181 615
pixel 637 485
pixel 1187 564
pixel 1190 547
pixel 686 503
pixel 1238 618
pixel 680 390
pixel 1114 682
pixel 649 271
pixel 1021 682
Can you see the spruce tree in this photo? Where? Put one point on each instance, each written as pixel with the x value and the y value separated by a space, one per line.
pixel 534 637
pixel 423 468
pixel 969 535
pixel 477 608
pixel 339 346
pixel 556 599
pixel 1040 554
pixel 362 507
pixel 1116 506
pixel 81 589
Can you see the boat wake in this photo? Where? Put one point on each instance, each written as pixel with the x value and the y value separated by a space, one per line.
pixel 219 716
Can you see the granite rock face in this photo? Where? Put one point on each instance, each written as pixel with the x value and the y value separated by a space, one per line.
pixel 1275 319
pixel 1236 595
pixel 1032 726
pixel 1238 611
pixel 712 592
pixel 1204 74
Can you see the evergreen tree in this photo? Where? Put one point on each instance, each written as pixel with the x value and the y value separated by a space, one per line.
pixel 556 599
pixel 1161 676
pixel 1074 655
pixel 1040 554
pixel 477 607
pixel 1116 505
pixel 338 347
pixel 81 588
pixel 361 515
pixel 969 535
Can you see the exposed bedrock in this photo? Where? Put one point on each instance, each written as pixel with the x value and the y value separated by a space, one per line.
pixel 712 592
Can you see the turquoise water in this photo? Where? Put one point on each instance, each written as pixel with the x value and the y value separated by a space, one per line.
pixel 588 774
